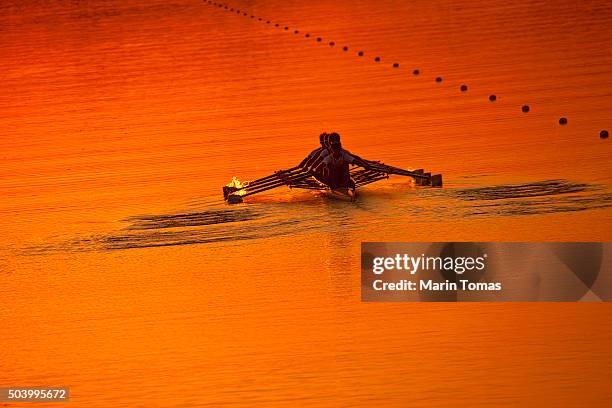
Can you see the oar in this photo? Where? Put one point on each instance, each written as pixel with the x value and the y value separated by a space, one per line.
pixel 396 170
pixel 273 185
pixel 283 177
pixel 367 173
pixel 309 187
pixel 278 182
pixel 368 181
pixel 370 178
pixel 263 179
pixel 280 178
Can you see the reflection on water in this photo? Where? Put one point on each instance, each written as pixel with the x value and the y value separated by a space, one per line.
pixel 209 217
pixel 169 238
pixel 524 199
pixel 543 206
pixel 536 189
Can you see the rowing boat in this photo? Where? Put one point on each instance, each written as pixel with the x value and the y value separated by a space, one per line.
pixel 304 178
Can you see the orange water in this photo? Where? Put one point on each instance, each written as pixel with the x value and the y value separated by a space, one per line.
pixel 125 279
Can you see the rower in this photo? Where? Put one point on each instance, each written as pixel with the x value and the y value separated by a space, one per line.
pixel 335 165
pixel 334 168
pixel 315 157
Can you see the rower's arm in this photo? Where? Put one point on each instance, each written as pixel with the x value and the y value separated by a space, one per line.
pixel 312 158
pixel 356 160
pixel 315 160
pixel 304 162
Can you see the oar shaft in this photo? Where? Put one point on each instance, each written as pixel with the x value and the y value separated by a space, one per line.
pixel 280 178
pixel 369 180
pixel 270 186
pixel 365 174
pixel 265 181
pixel 396 170
pixel 271 176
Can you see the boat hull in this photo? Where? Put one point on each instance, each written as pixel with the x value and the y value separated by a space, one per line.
pixel 342 194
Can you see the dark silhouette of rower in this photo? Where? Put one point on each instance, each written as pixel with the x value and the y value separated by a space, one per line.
pixel 330 163
pixel 314 158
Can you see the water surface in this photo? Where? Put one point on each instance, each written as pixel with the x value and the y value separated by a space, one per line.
pixel 128 279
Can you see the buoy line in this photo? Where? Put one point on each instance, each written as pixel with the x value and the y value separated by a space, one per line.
pixel 563 121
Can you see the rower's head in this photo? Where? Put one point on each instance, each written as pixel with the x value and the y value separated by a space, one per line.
pixel 323 139
pixel 334 141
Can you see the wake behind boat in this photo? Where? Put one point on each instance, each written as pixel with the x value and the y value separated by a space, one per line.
pixel 329 169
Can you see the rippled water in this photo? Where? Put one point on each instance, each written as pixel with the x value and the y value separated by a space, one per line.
pixel 129 279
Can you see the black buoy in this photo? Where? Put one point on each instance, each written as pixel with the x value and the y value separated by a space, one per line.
pixel 319 39
pixel 377 59
pixel 268 22
pixel 395 65
pixel 252 16
pixel 306 35
pixel 286 28
pixel 492 98
pixel 525 108
pixel 259 19
pixel 603 134
pixel 438 79
pixel 345 48
pixel 563 121
pixel 296 32
pixel 415 72
pixel 360 53
pixel 331 43
pixel 464 88
pixel 276 25
pixel 245 14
